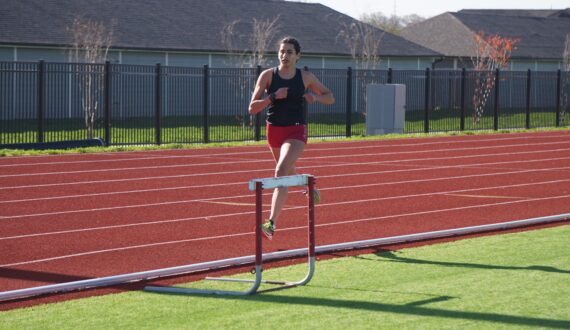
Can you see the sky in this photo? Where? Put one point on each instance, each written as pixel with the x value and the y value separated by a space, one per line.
pixel 430 8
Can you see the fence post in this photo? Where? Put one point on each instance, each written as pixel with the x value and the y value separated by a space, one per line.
pixel 558 85
pixel 206 104
pixel 427 100
pixel 528 82
pixel 462 120
pixel 107 97
pixel 258 115
pixel 496 105
pixel 349 102
pixel 390 76
pixel 158 105
pixel 40 101
pixel 306 106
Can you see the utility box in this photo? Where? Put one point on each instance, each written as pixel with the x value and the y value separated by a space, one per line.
pixel 385 108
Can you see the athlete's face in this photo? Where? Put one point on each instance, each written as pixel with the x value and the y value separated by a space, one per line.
pixel 287 55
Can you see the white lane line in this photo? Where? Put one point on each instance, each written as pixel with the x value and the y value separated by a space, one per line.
pixel 244 183
pixel 308 158
pixel 111 193
pixel 132 168
pixel 12 217
pixel 337 223
pixel 213 217
pixel 270 171
pixel 303 159
pixel 123 249
pixel 353 146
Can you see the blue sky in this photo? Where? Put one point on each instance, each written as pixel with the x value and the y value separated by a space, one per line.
pixel 430 8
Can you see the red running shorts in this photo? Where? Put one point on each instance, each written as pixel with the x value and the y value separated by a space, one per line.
pixel 277 135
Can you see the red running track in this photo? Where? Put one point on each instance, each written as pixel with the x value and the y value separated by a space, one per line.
pixel 70 217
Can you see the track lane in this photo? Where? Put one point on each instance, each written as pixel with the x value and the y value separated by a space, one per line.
pixel 341 205
pixel 73 240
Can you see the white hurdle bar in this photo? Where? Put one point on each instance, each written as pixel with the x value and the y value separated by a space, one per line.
pixel 259 185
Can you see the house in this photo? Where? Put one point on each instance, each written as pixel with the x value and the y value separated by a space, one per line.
pixel 189 32
pixel 541 36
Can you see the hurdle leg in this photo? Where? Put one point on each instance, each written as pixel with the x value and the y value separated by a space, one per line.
pixel 311 243
pixel 259 185
pixel 258 261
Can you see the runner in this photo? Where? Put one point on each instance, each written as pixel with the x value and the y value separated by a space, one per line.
pixel 287 88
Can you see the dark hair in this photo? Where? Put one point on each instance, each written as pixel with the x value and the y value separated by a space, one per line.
pixel 292 41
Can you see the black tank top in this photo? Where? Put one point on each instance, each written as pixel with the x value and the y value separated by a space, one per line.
pixel 288 111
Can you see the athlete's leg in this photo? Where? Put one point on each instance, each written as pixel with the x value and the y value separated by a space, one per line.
pixel 286 157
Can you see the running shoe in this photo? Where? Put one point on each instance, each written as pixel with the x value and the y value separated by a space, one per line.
pixel 268 228
pixel 316 195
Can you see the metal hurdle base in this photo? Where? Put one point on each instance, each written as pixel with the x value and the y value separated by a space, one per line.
pixel 178 290
pixel 258 185
pixel 255 284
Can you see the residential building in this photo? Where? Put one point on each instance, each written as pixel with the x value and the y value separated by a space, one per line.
pixel 190 32
pixel 541 36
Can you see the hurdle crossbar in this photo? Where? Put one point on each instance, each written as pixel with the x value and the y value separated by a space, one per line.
pixel 259 185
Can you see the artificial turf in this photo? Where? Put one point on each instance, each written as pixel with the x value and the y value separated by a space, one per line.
pixel 517 280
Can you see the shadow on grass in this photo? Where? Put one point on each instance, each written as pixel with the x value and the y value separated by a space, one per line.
pixel 414 308
pixel 393 257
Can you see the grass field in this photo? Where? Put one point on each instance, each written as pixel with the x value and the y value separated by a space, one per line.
pixel 518 280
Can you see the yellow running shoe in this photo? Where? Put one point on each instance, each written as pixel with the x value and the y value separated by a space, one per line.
pixel 268 228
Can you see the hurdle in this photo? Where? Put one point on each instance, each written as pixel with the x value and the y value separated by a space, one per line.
pixel 259 185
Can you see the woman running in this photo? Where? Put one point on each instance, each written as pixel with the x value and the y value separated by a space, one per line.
pixel 287 88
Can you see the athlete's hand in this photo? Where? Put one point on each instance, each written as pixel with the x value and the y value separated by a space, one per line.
pixel 281 93
pixel 310 98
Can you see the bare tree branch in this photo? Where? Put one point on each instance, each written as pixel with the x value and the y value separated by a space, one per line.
pixel 564 97
pixel 263 33
pixel 249 50
pixel 90 45
pixel 364 41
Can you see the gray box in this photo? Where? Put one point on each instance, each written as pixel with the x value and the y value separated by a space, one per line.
pixel 385 108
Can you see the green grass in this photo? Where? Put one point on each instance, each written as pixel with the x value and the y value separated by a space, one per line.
pixel 189 129
pixel 441 120
pixel 517 280
pixel 166 145
pixel 174 129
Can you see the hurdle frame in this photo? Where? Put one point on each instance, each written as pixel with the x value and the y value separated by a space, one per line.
pixel 258 185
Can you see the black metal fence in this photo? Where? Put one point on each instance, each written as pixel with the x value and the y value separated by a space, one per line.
pixel 138 104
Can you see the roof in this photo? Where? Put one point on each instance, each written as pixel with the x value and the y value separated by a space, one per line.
pixel 540 36
pixel 185 25
pixel 514 12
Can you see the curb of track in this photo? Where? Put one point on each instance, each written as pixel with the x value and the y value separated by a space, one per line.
pixel 223 263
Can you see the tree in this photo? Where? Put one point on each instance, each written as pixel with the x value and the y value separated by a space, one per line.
pixel 566 78
pixel 90 45
pixel 393 24
pixel 490 52
pixel 363 40
pixel 247 45
pixel 249 49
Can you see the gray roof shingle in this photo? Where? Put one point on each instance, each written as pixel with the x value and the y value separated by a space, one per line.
pixel 540 37
pixel 185 25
